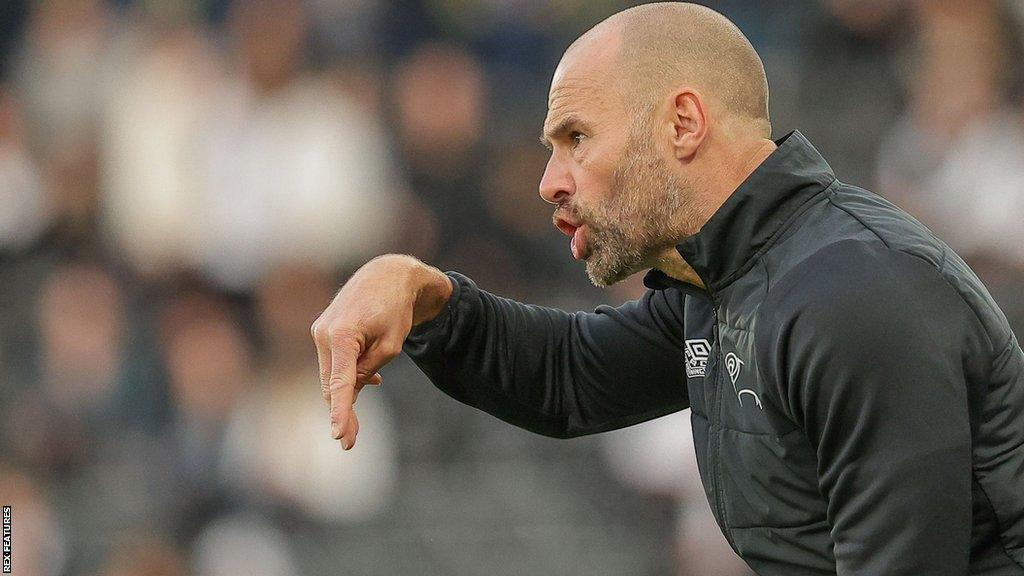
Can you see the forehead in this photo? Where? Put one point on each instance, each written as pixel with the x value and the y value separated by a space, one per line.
pixel 577 96
pixel 583 85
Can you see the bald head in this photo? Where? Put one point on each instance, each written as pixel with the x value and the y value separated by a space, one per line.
pixel 655 116
pixel 649 50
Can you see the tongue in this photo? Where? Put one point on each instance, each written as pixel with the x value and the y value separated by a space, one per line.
pixel 576 245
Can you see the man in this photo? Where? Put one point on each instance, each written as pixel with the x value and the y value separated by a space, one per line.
pixel 857 397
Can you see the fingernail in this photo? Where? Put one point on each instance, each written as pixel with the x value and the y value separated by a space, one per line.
pixel 335 430
pixel 346 444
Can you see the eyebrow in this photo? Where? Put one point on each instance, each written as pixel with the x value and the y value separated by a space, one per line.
pixel 561 128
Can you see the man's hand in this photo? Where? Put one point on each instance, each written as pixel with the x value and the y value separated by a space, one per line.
pixel 365 326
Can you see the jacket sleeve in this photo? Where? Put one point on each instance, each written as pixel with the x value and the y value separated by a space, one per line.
pixel 868 349
pixel 552 372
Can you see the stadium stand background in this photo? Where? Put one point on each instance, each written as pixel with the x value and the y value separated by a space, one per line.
pixel 183 185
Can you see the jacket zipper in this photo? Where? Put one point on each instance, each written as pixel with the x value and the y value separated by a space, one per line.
pixel 714 437
pixel 714 414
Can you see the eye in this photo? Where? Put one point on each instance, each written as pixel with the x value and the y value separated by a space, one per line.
pixel 576 138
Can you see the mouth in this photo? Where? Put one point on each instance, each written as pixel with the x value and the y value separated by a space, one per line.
pixel 576 231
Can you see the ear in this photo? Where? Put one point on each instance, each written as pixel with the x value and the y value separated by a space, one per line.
pixel 689 123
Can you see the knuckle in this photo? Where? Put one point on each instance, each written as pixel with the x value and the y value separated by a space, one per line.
pixel 391 349
pixel 337 383
pixel 343 334
pixel 319 331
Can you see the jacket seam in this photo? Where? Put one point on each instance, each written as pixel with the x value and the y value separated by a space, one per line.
pixel 767 276
pixel 864 224
pixel 1003 453
pixel 1002 350
pixel 788 526
pixel 945 257
pixel 960 298
pixel 775 435
pixel 995 519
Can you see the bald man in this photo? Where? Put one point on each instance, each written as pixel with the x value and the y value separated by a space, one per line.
pixel 857 397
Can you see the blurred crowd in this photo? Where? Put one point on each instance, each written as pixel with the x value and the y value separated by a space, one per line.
pixel 185 183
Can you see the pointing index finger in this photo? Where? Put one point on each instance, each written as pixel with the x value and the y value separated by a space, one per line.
pixel 323 357
pixel 342 382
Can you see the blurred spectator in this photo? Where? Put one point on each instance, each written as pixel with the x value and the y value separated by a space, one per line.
pixel 439 93
pixel 59 78
pixel 841 87
pixel 38 540
pixel 145 556
pixel 956 156
pixel 439 96
pixel 27 211
pixel 291 169
pixel 279 449
pixel 156 101
pixel 61 70
pixel 238 171
pixel 531 243
pixel 347 28
pixel 210 366
pixel 60 423
pixel 242 544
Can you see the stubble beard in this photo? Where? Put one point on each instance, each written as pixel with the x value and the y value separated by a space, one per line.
pixel 648 211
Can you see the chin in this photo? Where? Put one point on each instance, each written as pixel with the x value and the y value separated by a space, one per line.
pixel 608 265
pixel 601 281
pixel 604 273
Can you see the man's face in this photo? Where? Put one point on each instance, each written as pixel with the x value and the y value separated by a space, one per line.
pixel 617 198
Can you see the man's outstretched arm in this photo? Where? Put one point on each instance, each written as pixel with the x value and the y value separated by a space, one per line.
pixel 546 370
pixel 552 372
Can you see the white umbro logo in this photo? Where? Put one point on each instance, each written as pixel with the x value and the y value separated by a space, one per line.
pixel 697 353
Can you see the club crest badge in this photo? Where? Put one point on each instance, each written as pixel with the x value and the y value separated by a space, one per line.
pixel 733 365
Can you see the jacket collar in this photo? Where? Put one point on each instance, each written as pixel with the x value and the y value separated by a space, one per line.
pixel 753 215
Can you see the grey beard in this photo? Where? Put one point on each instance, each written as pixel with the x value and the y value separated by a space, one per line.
pixel 613 258
pixel 645 216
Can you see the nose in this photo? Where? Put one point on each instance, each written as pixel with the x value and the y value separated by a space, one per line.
pixel 556 186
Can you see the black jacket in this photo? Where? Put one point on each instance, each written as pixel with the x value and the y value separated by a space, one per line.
pixel 857 396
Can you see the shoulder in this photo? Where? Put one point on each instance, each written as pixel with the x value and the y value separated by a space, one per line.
pixel 858 318
pixel 860 295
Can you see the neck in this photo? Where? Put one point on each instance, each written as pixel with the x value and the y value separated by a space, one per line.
pixel 735 169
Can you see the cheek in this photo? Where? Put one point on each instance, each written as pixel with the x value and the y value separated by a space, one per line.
pixel 594 184
pixel 591 194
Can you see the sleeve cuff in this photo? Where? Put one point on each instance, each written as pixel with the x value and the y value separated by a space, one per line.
pixel 442 322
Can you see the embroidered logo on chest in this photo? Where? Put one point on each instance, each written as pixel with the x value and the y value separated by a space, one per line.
pixel 697 353
pixel 734 365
